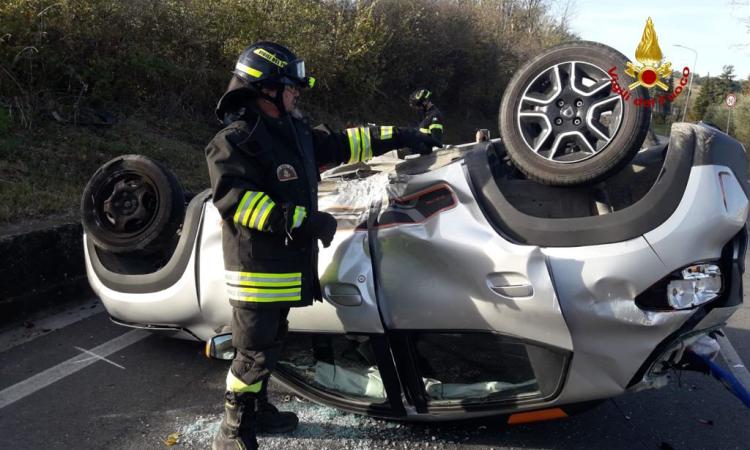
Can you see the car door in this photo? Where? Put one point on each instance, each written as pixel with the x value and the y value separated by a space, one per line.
pixel 336 352
pixel 470 317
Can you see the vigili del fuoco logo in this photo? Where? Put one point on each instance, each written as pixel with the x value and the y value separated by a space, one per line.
pixel 650 71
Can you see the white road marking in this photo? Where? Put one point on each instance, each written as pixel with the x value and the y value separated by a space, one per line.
pixel 94 355
pixel 41 380
pixel 15 334
pixel 87 359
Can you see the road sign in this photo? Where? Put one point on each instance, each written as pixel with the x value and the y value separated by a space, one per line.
pixel 731 100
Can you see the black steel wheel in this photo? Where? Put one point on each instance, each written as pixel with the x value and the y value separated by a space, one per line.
pixel 561 122
pixel 132 203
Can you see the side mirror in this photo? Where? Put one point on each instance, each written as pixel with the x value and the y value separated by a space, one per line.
pixel 220 347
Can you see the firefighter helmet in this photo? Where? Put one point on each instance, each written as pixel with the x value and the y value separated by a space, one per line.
pixel 270 64
pixel 419 97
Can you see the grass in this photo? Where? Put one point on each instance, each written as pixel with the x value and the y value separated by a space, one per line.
pixel 43 171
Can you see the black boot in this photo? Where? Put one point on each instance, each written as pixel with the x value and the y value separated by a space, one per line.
pixel 270 419
pixel 237 429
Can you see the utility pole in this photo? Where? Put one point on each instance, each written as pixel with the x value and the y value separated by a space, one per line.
pixel 690 84
pixel 729 119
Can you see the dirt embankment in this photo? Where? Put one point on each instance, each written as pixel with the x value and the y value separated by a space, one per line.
pixel 42 174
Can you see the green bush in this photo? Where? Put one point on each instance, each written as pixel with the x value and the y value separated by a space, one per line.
pixel 6 122
pixel 161 65
pixel 739 122
pixel 174 56
pixel 740 126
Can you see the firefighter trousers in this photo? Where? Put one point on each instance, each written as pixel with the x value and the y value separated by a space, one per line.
pixel 258 336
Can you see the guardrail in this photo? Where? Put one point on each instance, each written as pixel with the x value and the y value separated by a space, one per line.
pixel 41 268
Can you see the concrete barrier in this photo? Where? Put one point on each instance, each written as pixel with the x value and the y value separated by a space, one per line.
pixel 41 268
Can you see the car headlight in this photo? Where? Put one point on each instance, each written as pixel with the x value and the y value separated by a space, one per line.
pixel 685 288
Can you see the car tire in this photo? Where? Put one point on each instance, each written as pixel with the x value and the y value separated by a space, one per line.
pixel 561 121
pixel 132 204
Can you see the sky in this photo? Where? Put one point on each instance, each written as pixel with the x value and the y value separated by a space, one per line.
pixel 714 29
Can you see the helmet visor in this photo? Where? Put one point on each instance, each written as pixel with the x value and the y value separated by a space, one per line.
pixel 295 70
pixel 294 74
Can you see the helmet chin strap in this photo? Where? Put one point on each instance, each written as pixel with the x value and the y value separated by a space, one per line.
pixel 277 100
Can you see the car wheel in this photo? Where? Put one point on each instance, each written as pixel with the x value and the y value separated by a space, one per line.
pixel 561 122
pixel 132 203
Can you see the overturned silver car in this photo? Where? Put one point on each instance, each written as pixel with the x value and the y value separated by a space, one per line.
pixel 457 288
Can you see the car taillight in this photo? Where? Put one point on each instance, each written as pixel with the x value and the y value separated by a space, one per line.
pixel 686 288
pixel 699 283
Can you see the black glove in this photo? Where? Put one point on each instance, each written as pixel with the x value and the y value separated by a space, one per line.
pixel 318 225
pixel 417 141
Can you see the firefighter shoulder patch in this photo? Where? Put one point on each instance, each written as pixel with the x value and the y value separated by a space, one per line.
pixel 286 172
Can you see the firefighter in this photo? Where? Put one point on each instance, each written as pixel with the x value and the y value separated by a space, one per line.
pixel 264 170
pixel 431 120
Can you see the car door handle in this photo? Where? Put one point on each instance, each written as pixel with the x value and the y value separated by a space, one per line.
pixel 343 294
pixel 510 284
pixel 514 291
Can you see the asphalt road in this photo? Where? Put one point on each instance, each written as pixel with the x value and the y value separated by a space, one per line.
pixel 148 387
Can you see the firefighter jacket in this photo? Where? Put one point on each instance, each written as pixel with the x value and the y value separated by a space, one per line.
pixel 264 176
pixel 432 123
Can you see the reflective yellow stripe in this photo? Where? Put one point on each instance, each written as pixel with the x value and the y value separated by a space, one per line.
pixel 366 154
pixel 264 295
pixel 262 224
pixel 253 283
pixel 353 134
pixel 251 205
pixel 299 215
pixel 436 126
pixel 296 298
pixel 264 274
pixel 268 56
pixel 289 280
pixel 262 290
pixel 254 210
pixel 424 130
pixel 234 384
pixel 257 299
pixel 263 202
pixel 249 70
pixel 240 206
pixel 245 206
pixel 386 132
pixel 360 144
